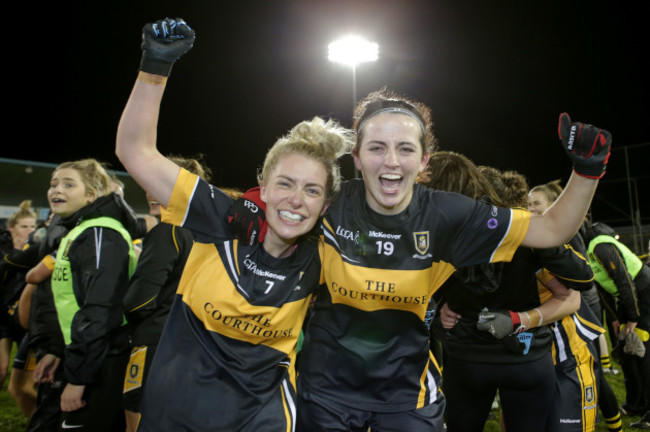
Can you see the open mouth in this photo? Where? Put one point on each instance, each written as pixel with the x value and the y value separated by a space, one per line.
pixel 57 200
pixel 390 182
pixel 290 217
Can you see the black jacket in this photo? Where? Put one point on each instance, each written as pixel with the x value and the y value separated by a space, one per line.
pixel 153 285
pixel 99 264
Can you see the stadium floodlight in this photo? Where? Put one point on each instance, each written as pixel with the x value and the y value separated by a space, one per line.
pixel 352 50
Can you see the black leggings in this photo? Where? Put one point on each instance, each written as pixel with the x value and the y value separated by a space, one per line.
pixel 526 391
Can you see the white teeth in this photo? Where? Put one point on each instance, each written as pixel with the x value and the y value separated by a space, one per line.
pixel 391 176
pixel 290 216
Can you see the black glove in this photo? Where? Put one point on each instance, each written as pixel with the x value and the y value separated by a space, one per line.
pixel 247 218
pixel 164 42
pixel 500 323
pixel 588 147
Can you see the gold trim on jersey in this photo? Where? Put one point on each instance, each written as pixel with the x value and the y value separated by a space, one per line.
pixel 373 289
pixel 516 233
pixel 178 205
pixel 49 262
pixel 288 404
pixel 433 392
pixel 217 301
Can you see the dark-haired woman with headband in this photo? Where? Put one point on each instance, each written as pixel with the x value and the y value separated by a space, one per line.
pixel 390 244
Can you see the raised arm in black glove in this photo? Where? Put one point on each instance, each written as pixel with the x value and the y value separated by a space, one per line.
pixel 588 146
pixel 164 42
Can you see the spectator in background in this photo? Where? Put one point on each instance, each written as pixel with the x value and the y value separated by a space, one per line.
pixel 619 272
pixel 93 263
pixel 20 225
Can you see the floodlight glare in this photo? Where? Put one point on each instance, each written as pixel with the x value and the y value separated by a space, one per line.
pixel 352 50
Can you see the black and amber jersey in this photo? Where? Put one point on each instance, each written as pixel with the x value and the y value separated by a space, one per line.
pixel 229 345
pixel 367 342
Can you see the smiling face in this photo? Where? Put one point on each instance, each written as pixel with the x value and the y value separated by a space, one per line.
pixel 538 202
pixel 67 192
pixel 21 230
pixel 295 195
pixel 390 158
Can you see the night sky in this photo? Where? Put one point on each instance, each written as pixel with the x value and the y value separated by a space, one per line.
pixel 496 75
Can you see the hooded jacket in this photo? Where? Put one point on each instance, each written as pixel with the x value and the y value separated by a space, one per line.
pixel 99 270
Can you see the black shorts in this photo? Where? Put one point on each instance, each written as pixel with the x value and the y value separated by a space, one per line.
pixel 576 396
pixel 470 388
pixel 9 327
pixel 136 376
pixel 323 415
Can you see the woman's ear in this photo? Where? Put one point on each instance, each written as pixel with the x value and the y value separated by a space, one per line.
pixel 91 196
pixel 263 191
pixel 425 161
pixel 325 207
pixel 355 157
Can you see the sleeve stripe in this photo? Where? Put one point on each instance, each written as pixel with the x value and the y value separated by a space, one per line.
pixel 179 203
pixel 49 262
pixel 502 239
pixel 517 228
pixel 187 209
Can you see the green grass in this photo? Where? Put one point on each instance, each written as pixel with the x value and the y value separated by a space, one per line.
pixel 12 419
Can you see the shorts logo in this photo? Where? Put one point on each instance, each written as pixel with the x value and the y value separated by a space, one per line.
pixel 133 379
pixel 525 338
pixel 421 241
pixel 589 395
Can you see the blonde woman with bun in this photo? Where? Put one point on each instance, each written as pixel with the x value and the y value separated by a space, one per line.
pixel 227 357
